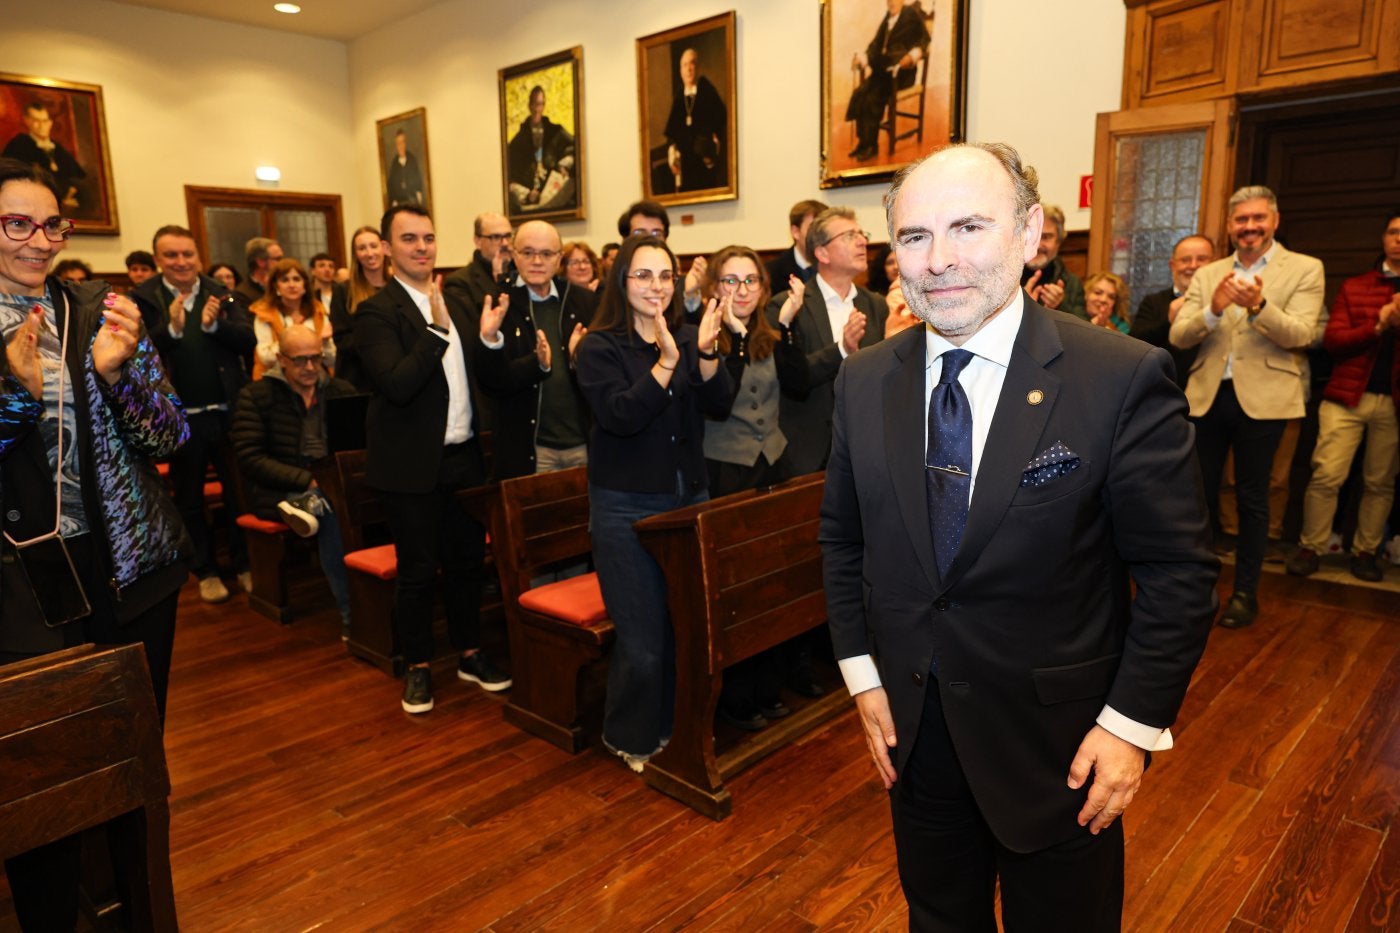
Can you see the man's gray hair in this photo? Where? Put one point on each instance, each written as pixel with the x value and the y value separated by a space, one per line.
pixel 255 251
pixel 816 233
pixel 1249 193
pixel 1025 183
pixel 1054 215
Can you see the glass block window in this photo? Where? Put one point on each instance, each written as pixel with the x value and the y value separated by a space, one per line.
pixel 228 229
pixel 1156 202
pixel 302 234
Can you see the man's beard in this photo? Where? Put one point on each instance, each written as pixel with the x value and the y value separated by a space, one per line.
pixel 963 315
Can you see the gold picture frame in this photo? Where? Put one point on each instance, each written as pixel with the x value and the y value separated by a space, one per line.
pixel 542 170
pixel 689 141
pixel 883 106
pixel 404 175
pixel 70 115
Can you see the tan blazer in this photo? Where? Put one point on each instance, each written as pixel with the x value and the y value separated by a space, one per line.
pixel 1270 365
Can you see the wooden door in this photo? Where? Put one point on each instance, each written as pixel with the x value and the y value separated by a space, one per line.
pixel 223 219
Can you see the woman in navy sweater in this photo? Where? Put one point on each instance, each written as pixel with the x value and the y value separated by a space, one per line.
pixel 649 380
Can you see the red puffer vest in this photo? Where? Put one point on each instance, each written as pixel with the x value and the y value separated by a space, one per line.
pixel 1352 341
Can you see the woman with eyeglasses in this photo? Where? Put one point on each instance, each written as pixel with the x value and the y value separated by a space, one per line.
pixel 287 301
pixel 746 449
pixel 581 265
pixel 93 545
pixel 650 380
pixel 369 270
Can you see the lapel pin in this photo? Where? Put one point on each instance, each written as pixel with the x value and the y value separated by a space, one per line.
pixel 1035 396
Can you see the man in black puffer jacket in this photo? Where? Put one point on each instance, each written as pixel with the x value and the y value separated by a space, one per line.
pixel 279 430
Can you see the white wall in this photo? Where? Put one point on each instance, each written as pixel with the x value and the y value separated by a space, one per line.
pixel 1037 74
pixel 195 101
pixel 192 101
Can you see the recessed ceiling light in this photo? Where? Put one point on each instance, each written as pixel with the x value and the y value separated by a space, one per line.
pixel 286 8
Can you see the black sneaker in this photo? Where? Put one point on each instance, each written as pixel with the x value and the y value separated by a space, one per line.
pixel 478 669
pixel 418 690
pixel 299 513
pixel 1364 566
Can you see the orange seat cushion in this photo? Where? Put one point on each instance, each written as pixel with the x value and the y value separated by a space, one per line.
pixel 381 562
pixel 163 468
pixel 577 600
pixel 251 522
pixel 213 491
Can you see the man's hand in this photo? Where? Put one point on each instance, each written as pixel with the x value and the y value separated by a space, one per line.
pixel 1117 767
pixel 873 706
pixel 1232 291
pixel 210 314
pixel 491 316
pixel 542 350
pixel 695 276
pixel 437 306
pixel 1390 314
pixel 797 292
pixel 1049 294
pixel 176 312
pixel 22 353
pixel 116 339
pixel 579 332
pixel 853 333
pixel 1174 308
pixel 498 262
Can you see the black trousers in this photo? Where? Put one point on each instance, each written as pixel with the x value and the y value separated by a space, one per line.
pixel 188 467
pixel 949 861
pixel 1223 428
pixel 432 530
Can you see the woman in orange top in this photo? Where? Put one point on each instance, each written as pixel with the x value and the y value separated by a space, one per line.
pixel 288 301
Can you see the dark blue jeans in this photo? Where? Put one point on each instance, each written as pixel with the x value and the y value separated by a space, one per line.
pixel 641 699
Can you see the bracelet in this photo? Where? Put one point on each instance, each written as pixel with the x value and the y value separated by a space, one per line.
pixel 706 356
pixel 669 369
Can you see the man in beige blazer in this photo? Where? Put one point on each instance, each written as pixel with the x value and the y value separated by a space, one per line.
pixel 1253 314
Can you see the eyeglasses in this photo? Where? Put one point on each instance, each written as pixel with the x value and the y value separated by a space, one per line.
pixel 579 263
pixel 20 228
pixel 656 233
pixel 496 237
pixel 530 255
pixel 644 277
pixel 845 235
pixel 311 359
pixel 733 281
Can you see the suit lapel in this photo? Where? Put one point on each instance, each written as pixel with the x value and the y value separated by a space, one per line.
pixel 1017 430
pixel 815 306
pixel 904 412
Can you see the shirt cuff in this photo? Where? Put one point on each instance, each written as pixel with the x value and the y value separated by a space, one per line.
pixel 692 304
pixel 170 329
pixel 859 673
pixel 1212 319
pixel 499 342
pixel 213 326
pixel 1148 738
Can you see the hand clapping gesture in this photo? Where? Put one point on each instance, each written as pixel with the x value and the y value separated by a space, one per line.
pixel 853 333
pixel 729 318
pixel 665 343
pixel 117 337
pixel 22 353
pixel 437 306
pixel 1234 291
pixel 491 316
pixel 797 291
pixel 1049 294
pixel 542 354
pixel 695 276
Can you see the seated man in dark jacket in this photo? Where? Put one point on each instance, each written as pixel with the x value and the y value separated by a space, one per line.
pixel 278 431
pixel 524 361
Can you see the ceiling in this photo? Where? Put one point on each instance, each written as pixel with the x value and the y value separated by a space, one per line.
pixel 326 19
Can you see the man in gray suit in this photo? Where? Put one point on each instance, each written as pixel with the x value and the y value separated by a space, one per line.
pixel 837 318
pixel 1254 314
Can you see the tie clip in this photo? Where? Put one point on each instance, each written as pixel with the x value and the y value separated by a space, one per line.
pixel 950 468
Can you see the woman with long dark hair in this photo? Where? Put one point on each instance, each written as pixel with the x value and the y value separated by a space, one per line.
pixel 370 269
pixel 650 380
pixel 288 301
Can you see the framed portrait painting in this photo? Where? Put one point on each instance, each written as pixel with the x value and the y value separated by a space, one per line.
pixel 894 85
pixel 542 137
pixel 404 176
pixel 686 79
pixel 61 126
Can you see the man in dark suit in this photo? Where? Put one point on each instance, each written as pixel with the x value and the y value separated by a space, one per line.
pixel 422 449
pixel 697 131
pixel 888 63
pixel 486 274
pixel 837 318
pixel 988 564
pixel 795 261
pixel 202 340
pixel 1157 311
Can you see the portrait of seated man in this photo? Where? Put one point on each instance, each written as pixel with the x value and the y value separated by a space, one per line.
pixel 886 65
pixel 540 162
pixel 36 146
pixel 696 151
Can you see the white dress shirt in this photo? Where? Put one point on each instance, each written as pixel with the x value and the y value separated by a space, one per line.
pixel 982 380
pixel 454 367
pixel 1213 320
pixel 838 309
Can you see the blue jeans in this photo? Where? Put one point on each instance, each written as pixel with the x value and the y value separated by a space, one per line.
pixel 332 553
pixel 640 707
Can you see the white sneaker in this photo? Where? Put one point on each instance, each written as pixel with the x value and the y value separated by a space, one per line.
pixel 297 515
pixel 245 580
pixel 212 590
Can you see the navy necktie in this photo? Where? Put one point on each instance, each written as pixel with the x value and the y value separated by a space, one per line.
pixel 948 463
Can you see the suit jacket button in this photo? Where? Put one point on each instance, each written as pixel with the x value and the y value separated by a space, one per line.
pixel 941 605
pixel 918 679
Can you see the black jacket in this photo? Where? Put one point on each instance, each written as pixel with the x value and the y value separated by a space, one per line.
pixel 511 377
pixel 232 340
pixel 266 436
pixel 465 289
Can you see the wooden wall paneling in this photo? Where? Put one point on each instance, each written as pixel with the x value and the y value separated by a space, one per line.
pixel 1217 118
pixel 1185 51
pixel 1307 42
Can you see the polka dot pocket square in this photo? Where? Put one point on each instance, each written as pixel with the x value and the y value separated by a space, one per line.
pixel 1056 461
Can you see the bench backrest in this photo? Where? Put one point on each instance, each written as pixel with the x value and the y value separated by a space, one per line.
pixel 542 520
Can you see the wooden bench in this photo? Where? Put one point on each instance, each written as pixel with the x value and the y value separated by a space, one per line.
pixel 80 745
pixel 743 574
pixel 559 632
pixel 371 564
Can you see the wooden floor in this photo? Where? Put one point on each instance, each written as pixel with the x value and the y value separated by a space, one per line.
pixel 304 798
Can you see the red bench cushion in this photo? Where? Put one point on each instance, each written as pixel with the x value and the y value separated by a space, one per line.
pixel 251 522
pixel 577 600
pixel 381 562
